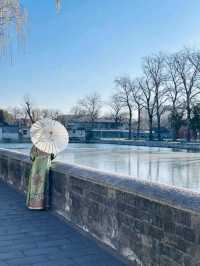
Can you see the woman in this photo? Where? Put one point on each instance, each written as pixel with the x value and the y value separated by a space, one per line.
pixel 38 186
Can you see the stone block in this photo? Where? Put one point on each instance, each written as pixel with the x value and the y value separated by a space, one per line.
pixel 138 220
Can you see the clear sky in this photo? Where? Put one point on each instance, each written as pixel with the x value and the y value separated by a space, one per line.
pixel 91 42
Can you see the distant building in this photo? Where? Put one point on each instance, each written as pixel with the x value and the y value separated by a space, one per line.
pixel 80 130
pixel 164 133
pixel 97 124
pixel 77 135
pixel 74 121
pixel 13 133
pixel 24 133
pixel 114 134
pixel 10 133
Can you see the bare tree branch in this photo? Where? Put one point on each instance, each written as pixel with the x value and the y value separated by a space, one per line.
pixel 116 107
pixel 153 67
pixel 148 99
pixel 187 65
pixel 89 107
pixel 123 85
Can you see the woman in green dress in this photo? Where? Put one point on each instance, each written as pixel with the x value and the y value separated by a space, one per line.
pixel 38 185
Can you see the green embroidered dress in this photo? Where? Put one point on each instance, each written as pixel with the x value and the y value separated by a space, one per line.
pixel 38 187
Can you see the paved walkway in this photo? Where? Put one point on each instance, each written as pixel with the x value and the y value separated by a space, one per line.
pixel 39 238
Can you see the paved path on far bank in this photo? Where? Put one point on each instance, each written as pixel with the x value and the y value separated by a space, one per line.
pixel 37 238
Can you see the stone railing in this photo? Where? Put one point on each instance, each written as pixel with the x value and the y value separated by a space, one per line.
pixel 146 223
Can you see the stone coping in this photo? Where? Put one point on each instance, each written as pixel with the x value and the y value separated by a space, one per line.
pixel 168 195
pixel 193 146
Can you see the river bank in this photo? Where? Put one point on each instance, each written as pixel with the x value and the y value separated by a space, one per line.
pixel 194 146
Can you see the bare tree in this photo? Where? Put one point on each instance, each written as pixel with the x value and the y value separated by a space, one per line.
pixel 89 107
pixel 34 113
pixel 173 83
pixel 116 108
pixel 148 98
pixel 125 96
pixel 154 68
pixel 50 113
pixel 6 117
pixel 174 95
pixel 187 65
pixel 28 107
pixel 138 102
pixel 16 112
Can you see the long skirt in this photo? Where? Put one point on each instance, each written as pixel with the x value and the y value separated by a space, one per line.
pixel 38 186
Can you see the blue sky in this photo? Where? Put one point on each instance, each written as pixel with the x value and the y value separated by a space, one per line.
pixel 87 45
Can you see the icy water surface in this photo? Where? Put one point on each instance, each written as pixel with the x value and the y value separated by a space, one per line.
pixel 178 168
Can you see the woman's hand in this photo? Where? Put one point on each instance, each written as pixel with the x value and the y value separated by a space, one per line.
pixel 32 158
pixel 52 156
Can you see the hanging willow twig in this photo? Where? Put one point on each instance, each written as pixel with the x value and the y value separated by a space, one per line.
pixel 58 4
pixel 12 21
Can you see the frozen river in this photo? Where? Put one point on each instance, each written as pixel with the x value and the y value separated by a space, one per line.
pixel 177 168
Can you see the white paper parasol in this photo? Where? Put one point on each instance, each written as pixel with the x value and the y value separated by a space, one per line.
pixel 49 136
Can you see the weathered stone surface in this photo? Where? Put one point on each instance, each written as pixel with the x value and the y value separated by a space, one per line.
pixel 37 238
pixel 149 224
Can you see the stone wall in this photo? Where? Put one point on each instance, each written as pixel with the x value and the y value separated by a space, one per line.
pixel 146 223
pixel 195 146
